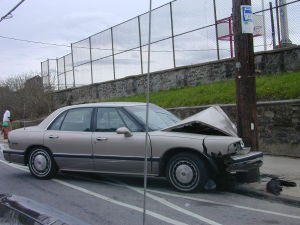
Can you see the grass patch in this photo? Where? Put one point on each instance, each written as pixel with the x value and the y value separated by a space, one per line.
pixel 268 87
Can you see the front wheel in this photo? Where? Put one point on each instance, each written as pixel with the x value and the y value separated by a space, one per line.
pixel 41 164
pixel 186 172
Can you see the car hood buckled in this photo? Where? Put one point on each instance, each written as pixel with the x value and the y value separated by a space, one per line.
pixel 213 117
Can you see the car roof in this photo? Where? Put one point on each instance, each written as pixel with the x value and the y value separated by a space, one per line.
pixel 106 104
pixel 53 115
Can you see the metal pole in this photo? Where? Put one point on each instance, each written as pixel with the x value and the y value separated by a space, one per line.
pixel 264 24
pixel 230 37
pixel 57 74
pixel 73 68
pixel 10 11
pixel 172 30
pixel 42 74
pixel 285 39
pixel 65 72
pixel 92 74
pixel 48 73
pixel 217 32
pixel 113 51
pixel 245 79
pixel 147 115
pixel 140 40
pixel 272 26
pixel 278 24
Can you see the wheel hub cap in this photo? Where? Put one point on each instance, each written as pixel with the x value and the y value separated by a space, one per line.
pixel 184 174
pixel 40 162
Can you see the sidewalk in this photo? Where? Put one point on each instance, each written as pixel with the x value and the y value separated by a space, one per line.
pixel 283 167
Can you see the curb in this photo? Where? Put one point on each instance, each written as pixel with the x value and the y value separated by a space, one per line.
pixel 251 192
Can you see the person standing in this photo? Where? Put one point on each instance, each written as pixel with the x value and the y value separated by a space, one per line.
pixel 6 123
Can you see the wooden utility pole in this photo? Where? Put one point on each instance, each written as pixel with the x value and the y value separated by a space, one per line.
pixel 245 78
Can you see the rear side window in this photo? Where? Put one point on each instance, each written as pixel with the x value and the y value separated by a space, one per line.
pixel 57 122
pixel 77 120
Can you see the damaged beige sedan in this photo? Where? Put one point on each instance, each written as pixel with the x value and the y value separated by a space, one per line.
pixel 110 137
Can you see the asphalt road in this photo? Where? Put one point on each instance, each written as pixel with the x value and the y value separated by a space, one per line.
pixel 119 200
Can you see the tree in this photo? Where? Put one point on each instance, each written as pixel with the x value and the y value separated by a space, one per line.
pixel 26 97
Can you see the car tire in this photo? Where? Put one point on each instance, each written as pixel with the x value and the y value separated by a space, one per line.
pixel 41 164
pixel 186 172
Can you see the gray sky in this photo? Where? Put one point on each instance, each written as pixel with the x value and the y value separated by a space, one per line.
pixel 57 21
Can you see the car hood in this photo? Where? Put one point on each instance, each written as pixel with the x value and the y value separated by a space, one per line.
pixel 213 117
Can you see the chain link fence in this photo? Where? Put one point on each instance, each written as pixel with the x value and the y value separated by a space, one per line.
pixel 184 32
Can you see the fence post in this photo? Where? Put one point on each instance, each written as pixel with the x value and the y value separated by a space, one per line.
pixel 272 25
pixel 73 70
pixel 42 74
pixel 216 28
pixel 264 24
pixel 92 74
pixel 57 73
pixel 278 23
pixel 48 72
pixel 172 30
pixel 113 52
pixel 65 72
pixel 140 40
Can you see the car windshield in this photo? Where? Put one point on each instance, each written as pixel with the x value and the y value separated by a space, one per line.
pixel 159 118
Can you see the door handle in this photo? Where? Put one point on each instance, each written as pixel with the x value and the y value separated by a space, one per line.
pixel 53 137
pixel 102 139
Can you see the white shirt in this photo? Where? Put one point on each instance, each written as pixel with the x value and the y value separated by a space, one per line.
pixel 6 116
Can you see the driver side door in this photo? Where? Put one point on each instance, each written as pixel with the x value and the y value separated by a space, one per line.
pixel 116 153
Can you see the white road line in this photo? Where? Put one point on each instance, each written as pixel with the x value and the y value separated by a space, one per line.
pixel 169 204
pixel 151 213
pixel 208 201
pixel 94 194
pixel 180 196
pixel 225 204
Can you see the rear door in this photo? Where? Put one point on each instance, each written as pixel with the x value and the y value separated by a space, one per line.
pixel 114 152
pixel 69 138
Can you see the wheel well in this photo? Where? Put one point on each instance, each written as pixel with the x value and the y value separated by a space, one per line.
pixel 31 148
pixel 170 153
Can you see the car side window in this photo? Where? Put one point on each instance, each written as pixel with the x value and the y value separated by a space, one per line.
pixel 77 120
pixel 108 120
pixel 57 122
pixel 130 124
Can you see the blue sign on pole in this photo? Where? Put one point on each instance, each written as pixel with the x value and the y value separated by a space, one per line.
pixel 247 19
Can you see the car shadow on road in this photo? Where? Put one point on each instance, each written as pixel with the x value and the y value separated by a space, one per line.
pixel 153 183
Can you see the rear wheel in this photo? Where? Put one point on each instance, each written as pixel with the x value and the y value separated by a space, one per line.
pixel 41 164
pixel 186 172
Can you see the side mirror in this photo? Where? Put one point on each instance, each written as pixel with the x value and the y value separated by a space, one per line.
pixel 125 131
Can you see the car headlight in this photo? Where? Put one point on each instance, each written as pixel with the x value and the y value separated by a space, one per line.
pixel 242 144
pixel 235 147
pixel 232 148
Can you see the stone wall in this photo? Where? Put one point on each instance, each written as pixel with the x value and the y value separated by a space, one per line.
pixel 279 124
pixel 276 61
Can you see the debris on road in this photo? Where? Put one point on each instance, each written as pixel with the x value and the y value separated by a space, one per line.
pixel 274 186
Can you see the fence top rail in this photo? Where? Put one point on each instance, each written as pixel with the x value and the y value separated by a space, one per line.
pixel 125 21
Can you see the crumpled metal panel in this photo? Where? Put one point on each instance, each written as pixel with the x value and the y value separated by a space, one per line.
pixel 214 117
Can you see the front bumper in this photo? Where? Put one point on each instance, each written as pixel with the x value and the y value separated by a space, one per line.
pixel 244 163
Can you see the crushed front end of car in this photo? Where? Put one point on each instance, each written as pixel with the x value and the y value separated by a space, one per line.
pixel 221 144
